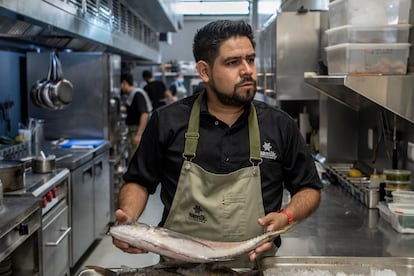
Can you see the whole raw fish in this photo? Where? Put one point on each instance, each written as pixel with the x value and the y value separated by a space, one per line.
pixel 184 247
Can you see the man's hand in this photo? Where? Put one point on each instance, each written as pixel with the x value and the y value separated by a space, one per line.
pixel 122 218
pixel 271 222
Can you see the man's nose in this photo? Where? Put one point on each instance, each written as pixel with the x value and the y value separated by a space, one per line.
pixel 246 68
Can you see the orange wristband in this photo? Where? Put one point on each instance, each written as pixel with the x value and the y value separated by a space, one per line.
pixel 288 214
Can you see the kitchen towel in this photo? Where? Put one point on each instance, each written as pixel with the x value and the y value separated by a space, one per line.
pixel 304 123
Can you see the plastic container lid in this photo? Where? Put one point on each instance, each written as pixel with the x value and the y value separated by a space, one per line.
pixel 397 182
pixel 364 46
pixel 369 27
pixel 397 172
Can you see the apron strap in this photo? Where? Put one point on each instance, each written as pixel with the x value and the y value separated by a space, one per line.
pixel 192 135
pixel 254 137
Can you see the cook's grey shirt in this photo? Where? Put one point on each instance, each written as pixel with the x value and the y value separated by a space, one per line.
pixel 287 160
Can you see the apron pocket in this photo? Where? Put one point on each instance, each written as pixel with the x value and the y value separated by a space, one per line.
pixel 234 216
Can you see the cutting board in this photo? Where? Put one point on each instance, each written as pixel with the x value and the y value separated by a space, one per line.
pixel 82 143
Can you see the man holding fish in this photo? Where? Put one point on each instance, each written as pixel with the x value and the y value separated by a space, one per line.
pixel 221 157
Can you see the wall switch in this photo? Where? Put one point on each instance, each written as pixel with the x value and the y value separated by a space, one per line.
pixel 410 151
pixel 370 139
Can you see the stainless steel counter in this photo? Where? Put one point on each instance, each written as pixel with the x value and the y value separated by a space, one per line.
pixel 342 226
pixel 20 221
pixel 72 158
pixel 90 188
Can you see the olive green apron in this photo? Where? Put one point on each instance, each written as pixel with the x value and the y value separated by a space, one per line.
pixel 220 207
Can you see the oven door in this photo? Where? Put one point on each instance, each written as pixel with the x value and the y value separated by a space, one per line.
pixel 55 250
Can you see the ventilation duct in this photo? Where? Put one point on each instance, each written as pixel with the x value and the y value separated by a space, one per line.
pixel 81 25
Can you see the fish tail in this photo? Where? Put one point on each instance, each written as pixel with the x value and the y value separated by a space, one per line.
pixel 271 235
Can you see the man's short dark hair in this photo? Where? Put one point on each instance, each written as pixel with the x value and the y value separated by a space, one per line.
pixel 208 39
pixel 129 78
pixel 146 74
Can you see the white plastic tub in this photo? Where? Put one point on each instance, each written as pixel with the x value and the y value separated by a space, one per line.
pixel 400 196
pixel 368 12
pixel 379 58
pixel 369 34
pixel 402 223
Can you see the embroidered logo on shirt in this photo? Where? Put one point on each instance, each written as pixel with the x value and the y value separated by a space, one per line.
pixel 267 151
pixel 197 214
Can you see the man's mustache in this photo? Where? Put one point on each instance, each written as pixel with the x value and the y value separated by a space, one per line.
pixel 246 79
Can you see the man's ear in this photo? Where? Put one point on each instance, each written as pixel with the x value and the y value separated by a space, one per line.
pixel 203 70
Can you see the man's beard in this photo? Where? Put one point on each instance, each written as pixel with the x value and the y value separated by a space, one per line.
pixel 235 99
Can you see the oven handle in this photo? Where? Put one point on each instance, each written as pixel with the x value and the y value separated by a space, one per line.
pixel 67 231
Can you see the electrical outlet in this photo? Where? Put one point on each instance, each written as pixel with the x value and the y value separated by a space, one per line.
pixel 410 151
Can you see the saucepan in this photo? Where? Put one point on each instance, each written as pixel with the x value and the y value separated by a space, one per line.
pixel 54 92
pixel 11 175
pixel 60 89
pixel 40 88
pixel 46 164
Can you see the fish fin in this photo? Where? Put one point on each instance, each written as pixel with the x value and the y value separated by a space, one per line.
pixel 102 271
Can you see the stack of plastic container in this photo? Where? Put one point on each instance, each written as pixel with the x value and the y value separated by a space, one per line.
pixel 398 208
pixel 368 37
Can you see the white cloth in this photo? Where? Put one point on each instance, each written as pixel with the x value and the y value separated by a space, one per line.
pixel 142 91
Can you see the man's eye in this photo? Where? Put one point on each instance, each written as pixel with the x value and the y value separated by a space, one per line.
pixel 232 62
pixel 251 60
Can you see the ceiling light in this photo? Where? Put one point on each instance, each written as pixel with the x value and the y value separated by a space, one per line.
pixel 212 8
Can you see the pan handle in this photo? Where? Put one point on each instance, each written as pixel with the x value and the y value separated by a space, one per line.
pixel 59 71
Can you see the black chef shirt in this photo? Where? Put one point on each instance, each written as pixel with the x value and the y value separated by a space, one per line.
pixel 156 92
pixel 287 161
pixel 134 111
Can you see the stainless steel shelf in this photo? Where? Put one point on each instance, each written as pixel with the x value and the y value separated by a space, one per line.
pixel 393 92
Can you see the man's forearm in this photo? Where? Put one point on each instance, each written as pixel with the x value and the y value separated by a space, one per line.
pixel 143 120
pixel 132 200
pixel 304 203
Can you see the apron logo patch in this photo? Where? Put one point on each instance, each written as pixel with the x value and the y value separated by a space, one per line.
pixel 267 151
pixel 197 214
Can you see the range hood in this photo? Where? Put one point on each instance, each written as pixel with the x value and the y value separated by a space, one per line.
pixel 393 92
pixel 114 26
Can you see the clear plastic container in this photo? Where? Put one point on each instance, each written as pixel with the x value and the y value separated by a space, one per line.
pixel 372 58
pixel 368 12
pixel 397 185
pixel 402 223
pixel 369 34
pixel 397 175
pixel 404 214
pixel 400 196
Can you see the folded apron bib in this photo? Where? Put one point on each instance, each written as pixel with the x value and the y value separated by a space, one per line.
pixel 219 207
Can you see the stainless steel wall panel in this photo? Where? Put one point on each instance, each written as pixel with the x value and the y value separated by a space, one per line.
pixel 87 115
pixel 298 39
pixel 338 138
